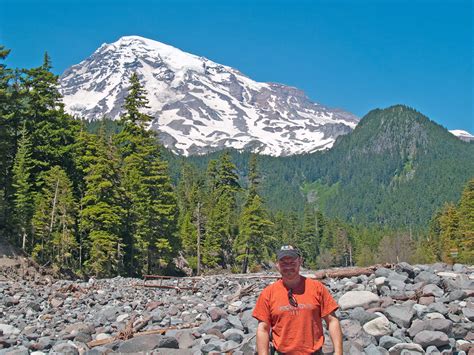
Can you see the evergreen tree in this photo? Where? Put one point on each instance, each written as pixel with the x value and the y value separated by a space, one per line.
pixel 101 214
pixel 310 236
pixel 253 177
pixel 52 131
pixel 466 224
pixel 449 232
pixel 150 203
pixel 23 189
pixel 7 144
pixel 53 220
pixel 251 246
pixel 191 193
pixel 222 213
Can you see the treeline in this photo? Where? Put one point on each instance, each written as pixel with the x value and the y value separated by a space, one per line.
pixel 99 198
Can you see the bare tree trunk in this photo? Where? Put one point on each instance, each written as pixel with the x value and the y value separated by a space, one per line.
pixel 23 242
pixel 198 222
pixel 246 260
pixel 52 217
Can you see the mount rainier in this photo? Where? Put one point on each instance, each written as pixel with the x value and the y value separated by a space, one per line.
pixel 198 105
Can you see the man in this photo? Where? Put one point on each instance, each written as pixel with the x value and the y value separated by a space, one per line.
pixel 292 308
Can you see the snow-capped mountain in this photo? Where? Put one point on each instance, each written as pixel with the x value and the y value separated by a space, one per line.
pixel 463 135
pixel 199 105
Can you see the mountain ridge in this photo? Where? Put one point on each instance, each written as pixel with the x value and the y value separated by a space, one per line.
pixel 395 169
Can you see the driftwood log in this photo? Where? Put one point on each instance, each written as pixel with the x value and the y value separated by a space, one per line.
pixel 323 274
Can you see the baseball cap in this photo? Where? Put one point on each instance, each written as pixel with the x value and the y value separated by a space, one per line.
pixel 288 250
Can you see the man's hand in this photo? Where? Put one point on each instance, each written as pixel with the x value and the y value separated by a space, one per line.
pixel 335 332
pixel 263 338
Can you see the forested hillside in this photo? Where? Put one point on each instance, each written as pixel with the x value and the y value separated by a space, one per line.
pixel 105 199
pixel 395 169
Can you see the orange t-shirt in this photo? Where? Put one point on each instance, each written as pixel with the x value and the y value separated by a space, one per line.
pixel 295 330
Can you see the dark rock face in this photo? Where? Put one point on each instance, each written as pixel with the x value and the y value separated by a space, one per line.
pixel 75 317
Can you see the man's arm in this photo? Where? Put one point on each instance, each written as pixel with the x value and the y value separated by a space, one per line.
pixel 335 332
pixel 263 338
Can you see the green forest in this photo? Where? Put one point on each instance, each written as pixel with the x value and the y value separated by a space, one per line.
pixel 104 198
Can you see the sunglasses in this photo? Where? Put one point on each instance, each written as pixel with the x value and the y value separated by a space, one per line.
pixel 292 298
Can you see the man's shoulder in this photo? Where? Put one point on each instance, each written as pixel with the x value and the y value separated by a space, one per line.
pixel 272 286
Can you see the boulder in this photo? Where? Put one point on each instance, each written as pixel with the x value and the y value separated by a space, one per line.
pixel 406 348
pixel 430 337
pixel 401 314
pixel 354 299
pixel 378 327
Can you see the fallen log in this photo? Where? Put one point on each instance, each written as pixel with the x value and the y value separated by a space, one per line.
pixel 326 273
pixel 346 272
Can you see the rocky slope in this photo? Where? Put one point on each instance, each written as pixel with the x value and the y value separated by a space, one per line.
pixel 199 105
pixel 404 310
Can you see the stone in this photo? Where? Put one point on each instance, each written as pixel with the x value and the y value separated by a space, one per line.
pixel 168 342
pixel 142 343
pixel 457 295
pixel 234 307
pixel 379 281
pixel 217 313
pixel 432 290
pixel 468 313
pixel 354 299
pixel 427 277
pixel 433 315
pixel 406 349
pixel 361 315
pixel 8 330
pixel 442 325
pixel 121 318
pixel 375 350
pixel 401 314
pixel 351 328
pixel 378 327
pixel 56 302
pixel 234 335
pixel 65 348
pixel 184 337
pixel 426 300
pixel 430 337
pixel 388 341
pixel 438 307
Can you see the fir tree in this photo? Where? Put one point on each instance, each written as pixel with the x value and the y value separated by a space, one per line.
pixel 251 246
pixel 310 236
pixel 23 189
pixel 52 131
pixel 101 214
pixel 222 213
pixel 150 203
pixel 7 144
pixel 449 231
pixel 53 220
pixel 466 224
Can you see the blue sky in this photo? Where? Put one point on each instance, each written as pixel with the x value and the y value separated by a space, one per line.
pixel 356 55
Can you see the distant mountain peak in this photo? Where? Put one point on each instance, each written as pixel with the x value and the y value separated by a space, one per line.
pixel 199 105
pixel 462 135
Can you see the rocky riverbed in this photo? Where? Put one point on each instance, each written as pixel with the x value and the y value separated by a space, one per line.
pixel 404 309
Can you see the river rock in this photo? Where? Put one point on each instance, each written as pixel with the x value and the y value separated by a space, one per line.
pixel 430 337
pixel 378 327
pixel 401 314
pixel 354 299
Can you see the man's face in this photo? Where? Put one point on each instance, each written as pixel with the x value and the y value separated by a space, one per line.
pixel 289 267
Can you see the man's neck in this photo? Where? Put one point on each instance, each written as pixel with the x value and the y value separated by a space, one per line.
pixel 292 283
